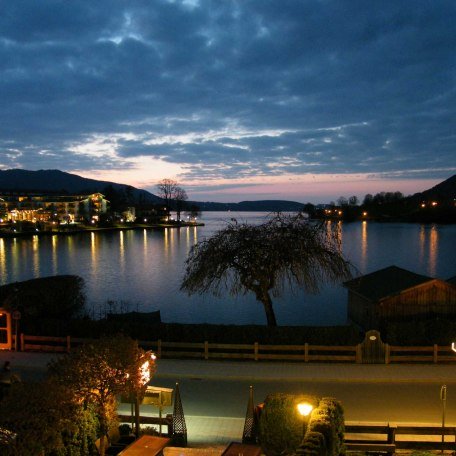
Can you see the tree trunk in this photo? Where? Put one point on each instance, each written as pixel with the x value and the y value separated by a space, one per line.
pixel 265 299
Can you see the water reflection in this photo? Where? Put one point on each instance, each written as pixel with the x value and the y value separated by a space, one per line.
pixel 433 247
pixel 121 250
pixel 429 249
pixel 364 245
pixel 35 256
pixel 145 268
pixel 2 258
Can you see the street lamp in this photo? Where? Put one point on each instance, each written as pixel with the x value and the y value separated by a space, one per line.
pixel 304 409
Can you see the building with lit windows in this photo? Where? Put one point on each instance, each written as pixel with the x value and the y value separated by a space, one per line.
pixel 44 208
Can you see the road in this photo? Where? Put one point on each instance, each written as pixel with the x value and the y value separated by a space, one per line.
pixel 368 393
pixel 384 402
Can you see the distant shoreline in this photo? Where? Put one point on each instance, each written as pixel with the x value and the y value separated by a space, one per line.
pixel 22 234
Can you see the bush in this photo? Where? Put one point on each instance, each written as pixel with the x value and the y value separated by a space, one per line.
pixel 328 420
pixel 314 444
pixel 281 426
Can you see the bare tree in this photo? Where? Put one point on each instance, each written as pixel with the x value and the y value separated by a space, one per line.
pixel 180 196
pixel 167 190
pixel 263 259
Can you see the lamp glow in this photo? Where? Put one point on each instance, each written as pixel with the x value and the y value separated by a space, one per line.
pixel 304 408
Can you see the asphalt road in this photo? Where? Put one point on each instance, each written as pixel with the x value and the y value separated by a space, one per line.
pixel 383 402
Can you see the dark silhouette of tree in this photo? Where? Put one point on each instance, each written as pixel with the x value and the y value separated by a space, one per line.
pixel 180 198
pixel 166 190
pixel 263 259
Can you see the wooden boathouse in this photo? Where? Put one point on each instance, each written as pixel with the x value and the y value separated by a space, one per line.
pixel 393 293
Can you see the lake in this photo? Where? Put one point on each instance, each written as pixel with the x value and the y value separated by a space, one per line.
pixel 142 269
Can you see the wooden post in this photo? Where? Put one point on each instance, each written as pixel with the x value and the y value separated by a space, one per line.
pixel 306 352
pixel 358 354
pixel 255 351
pixel 206 349
pixel 387 354
pixel 436 353
pixel 22 346
pixel 391 435
pixel 68 344
pixel 159 348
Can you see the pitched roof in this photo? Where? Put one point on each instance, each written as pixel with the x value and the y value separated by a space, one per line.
pixel 385 282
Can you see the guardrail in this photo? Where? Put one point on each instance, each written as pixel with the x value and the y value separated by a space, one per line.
pixel 388 437
pixel 257 352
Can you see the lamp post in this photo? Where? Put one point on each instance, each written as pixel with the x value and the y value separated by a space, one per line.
pixel 443 396
pixel 304 409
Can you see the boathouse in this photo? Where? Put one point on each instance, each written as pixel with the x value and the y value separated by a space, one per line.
pixel 393 294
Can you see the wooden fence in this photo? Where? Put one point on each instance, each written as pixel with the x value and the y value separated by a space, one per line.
pixel 257 352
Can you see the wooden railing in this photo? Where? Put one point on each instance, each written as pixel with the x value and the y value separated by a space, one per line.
pixel 389 437
pixel 256 352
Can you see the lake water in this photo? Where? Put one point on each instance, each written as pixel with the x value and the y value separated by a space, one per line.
pixel 142 269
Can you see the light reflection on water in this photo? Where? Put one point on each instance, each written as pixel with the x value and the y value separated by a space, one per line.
pixel 143 269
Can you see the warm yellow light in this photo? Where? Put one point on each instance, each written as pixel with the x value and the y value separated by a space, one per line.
pixel 340 212
pixel 304 408
pixel 364 214
pixel 423 205
pixel 434 203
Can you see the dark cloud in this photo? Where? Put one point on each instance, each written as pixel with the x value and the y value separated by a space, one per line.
pixel 230 88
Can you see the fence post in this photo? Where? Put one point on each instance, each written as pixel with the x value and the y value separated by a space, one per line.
pixel 436 353
pixel 159 348
pixel 22 346
pixel 68 344
pixel 255 351
pixel 387 354
pixel 306 352
pixel 358 354
pixel 206 349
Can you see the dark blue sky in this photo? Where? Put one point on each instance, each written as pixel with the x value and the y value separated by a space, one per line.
pixel 302 99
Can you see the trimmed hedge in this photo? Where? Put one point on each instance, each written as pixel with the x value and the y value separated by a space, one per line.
pixel 328 419
pixel 281 427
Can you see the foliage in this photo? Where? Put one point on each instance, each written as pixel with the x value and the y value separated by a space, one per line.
pixel 51 297
pixel 328 420
pixel 281 427
pixel 314 444
pixel 46 423
pixel 430 331
pixel 99 371
pixel 263 259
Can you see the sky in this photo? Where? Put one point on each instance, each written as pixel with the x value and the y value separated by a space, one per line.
pixel 305 100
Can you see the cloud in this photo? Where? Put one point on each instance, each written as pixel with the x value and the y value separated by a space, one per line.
pixel 229 89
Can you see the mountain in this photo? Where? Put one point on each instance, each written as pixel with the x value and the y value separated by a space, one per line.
pixel 55 181
pixel 251 206
pixel 444 192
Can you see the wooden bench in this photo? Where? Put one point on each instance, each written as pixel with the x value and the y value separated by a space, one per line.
pixel 373 438
pixel 147 445
pixel 366 437
pixel 235 449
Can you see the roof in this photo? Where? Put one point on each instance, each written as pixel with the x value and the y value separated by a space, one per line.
pixel 385 282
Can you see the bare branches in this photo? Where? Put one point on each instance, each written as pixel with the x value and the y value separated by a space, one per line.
pixel 284 251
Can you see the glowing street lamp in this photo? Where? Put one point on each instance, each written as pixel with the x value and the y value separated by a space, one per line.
pixel 304 409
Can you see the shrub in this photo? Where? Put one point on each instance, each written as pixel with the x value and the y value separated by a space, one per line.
pixel 328 420
pixel 281 427
pixel 314 444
